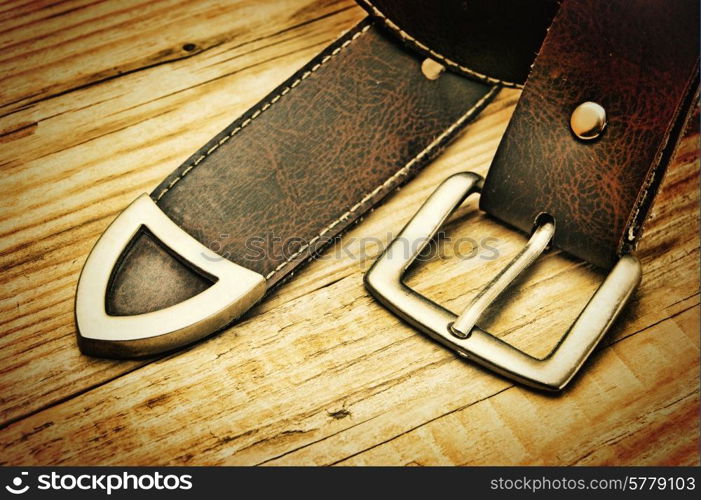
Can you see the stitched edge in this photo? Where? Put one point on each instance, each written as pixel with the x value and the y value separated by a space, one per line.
pixel 260 111
pixel 403 171
pixel 634 224
pixel 408 38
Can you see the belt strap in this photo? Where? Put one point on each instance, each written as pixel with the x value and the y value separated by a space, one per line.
pixel 493 41
pixel 300 166
pixel 268 193
pixel 639 61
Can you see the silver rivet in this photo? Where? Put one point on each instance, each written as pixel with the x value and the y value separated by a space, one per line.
pixel 588 120
pixel 432 69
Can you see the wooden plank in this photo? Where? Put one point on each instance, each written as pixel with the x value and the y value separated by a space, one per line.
pixel 101 40
pixel 279 382
pixel 516 427
pixel 319 373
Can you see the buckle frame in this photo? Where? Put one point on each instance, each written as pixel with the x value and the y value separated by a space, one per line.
pixel 555 370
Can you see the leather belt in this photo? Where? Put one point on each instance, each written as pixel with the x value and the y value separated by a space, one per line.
pixel 281 182
pixel 578 167
pixel 643 72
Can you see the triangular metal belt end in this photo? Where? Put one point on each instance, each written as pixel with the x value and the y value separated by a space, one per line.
pixel 235 290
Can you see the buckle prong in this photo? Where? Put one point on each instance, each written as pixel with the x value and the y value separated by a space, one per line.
pixel 538 242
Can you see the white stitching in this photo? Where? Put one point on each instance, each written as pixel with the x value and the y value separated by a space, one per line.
pixel 259 111
pixel 407 37
pixel 403 171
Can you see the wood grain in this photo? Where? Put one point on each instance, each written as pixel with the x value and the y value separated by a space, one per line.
pixel 101 99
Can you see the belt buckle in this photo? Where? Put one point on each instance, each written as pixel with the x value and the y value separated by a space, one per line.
pixel 459 332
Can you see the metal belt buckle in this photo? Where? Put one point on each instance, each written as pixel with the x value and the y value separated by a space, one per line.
pixel 460 333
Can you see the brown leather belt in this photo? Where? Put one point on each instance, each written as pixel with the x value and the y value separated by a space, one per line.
pixel 280 183
pixel 578 167
pixel 642 68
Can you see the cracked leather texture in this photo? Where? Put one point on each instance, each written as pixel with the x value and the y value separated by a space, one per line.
pixel 350 127
pixel 639 60
pixel 497 39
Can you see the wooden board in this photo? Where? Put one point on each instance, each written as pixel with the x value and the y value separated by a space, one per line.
pixel 100 100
